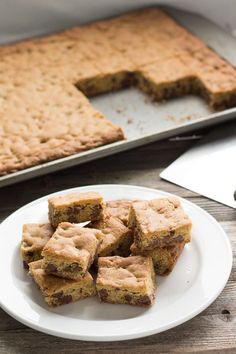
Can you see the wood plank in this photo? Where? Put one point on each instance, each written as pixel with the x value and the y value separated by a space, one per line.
pixel 212 331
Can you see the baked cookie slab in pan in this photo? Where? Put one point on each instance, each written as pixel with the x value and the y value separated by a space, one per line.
pixel 53 111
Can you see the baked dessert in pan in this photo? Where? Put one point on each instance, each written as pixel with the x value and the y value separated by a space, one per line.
pixel 44 111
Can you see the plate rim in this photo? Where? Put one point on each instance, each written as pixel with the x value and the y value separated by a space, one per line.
pixel 143 332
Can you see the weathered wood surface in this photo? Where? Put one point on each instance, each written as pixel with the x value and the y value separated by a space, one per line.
pixel 213 331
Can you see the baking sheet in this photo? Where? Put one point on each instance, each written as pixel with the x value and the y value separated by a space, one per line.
pixel 142 120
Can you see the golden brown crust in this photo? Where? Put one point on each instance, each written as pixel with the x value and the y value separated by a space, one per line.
pixel 75 208
pixel 129 272
pixel 71 250
pixel 116 237
pixel 44 116
pixel 119 209
pixel 166 78
pixel 128 280
pixel 72 199
pixel 159 222
pixel 59 291
pixel 59 124
pixel 164 259
pixel 34 238
pixel 72 242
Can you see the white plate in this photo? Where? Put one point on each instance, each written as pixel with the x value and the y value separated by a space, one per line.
pixel 198 278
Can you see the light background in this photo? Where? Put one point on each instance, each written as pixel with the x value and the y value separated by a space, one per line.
pixel 25 18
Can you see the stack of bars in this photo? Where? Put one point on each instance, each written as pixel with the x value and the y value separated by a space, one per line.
pixel 161 229
pixel 115 255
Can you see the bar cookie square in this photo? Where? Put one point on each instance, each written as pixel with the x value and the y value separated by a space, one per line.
pixel 70 251
pixel 75 208
pixel 57 291
pixel 129 280
pixel 164 259
pixel 159 223
pixel 119 208
pixel 116 239
pixel 34 238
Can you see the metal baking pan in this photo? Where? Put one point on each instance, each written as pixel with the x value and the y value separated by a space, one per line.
pixel 142 120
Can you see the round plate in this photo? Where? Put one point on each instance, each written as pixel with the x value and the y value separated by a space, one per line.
pixel 198 278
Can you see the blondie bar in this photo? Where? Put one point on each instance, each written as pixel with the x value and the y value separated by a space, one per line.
pixel 70 251
pixel 159 222
pixel 116 239
pixel 173 80
pixel 57 291
pixel 75 208
pixel 164 259
pixel 34 238
pixel 128 280
pixel 118 208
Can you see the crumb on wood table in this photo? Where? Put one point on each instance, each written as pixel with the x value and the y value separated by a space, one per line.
pixel 130 121
pixel 120 110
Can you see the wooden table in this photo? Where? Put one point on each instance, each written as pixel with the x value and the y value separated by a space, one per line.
pixel 213 331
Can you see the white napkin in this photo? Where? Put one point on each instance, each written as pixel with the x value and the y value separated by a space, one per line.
pixel 209 168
